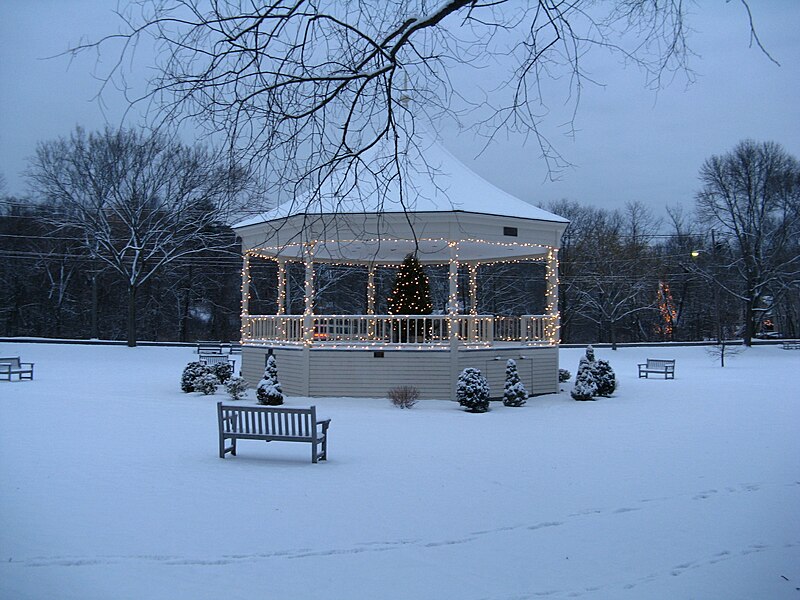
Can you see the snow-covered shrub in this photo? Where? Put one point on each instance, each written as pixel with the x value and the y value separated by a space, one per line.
pixel 585 387
pixel 269 389
pixel 223 371
pixel 404 396
pixel 191 373
pixel 564 376
pixel 236 387
pixel 514 393
pixel 207 384
pixel 604 378
pixel 473 392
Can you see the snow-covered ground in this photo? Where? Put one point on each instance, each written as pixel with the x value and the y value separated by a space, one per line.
pixel 112 488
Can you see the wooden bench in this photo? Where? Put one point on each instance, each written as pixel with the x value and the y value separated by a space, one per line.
pixel 215 359
pixel 272 424
pixel 791 345
pixel 11 365
pixel 658 366
pixel 209 348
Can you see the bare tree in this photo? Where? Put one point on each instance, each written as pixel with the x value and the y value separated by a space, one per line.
pixel 327 97
pixel 139 201
pixel 751 196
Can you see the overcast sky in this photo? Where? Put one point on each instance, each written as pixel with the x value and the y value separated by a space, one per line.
pixel 631 143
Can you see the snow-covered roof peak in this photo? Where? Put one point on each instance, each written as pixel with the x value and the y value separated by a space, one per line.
pixel 435 182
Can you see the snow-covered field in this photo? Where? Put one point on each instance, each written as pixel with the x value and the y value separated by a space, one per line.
pixel 112 488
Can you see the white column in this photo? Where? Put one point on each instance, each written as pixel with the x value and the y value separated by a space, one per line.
pixel 473 301
pixel 245 327
pixel 308 312
pixel 371 301
pixel 551 271
pixel 371 289
pixel 281 285
pixel 452 298
pixel 473 288
pixel 246 286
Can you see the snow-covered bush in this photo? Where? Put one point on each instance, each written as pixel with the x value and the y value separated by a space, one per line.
pixel 404 396
pixel 594 378
pixel 473 392
pixel 604 378
pixel 192 373
pixel 514 393
pixel 223 371
pixel 585 387
pixel 564 376
pixel 269 389
pixel 236 387
pixel 207 384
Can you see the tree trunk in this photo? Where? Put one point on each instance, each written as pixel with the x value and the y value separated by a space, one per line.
pixel 749 325
pixel 94 332
pixel 132 316
pixel 612 330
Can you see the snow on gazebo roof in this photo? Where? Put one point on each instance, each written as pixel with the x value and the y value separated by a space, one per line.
pixel 443 184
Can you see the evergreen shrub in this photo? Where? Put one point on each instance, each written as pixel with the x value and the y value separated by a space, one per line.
pixel 585 387
pixel 514 392
pixel 472 391
pixel 269 390
pixel 191 373
pixel 604 377
pixel 236 387
pixel 223 371
pixel 207 384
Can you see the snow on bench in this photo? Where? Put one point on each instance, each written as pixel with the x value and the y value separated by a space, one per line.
pixel 272 424
pixel 658 366
pixel 791 345
pixel 11 365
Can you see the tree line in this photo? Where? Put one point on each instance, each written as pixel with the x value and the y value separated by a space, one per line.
pixel 126 236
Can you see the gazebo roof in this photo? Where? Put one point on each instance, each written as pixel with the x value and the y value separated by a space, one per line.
pixel 443 185
pixel 443 201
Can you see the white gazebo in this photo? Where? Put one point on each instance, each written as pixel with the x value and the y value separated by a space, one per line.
pixel 456 219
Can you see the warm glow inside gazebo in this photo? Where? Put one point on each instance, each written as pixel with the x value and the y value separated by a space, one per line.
pixel 462 222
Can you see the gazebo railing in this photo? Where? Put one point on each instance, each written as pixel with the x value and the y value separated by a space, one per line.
pixel 402 330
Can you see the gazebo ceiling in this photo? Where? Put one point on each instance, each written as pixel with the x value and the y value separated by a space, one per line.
pixel 393 251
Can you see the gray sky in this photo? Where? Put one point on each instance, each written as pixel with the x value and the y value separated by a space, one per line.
pixel 631 143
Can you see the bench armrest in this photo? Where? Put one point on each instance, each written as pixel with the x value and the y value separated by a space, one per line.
pixel 325 424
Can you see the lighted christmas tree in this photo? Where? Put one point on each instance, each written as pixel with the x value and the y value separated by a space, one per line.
pixel 411 294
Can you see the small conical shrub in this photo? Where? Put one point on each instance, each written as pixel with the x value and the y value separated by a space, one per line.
pixel 514 393
pixel 269 389
pixel 473 392
pixel 585 386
